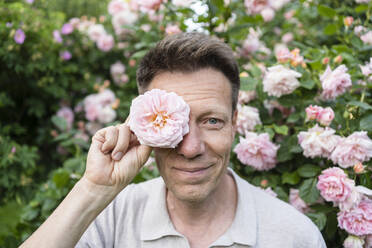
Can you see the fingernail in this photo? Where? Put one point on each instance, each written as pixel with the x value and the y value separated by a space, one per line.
pixel 118 156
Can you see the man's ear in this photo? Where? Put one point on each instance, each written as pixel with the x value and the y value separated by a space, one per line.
pixel 234 119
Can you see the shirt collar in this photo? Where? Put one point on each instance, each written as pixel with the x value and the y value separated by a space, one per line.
pixel 156 222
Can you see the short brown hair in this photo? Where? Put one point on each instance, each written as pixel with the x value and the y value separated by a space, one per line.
pixel 189 52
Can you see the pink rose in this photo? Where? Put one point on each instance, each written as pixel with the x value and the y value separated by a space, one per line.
pixel 318 142
pixel 296 201
pixel 358 220
pixel 334 185
pixel 172 29
pixel 147 5
pixel 256 6
pixel 67 28
pixel 351 150
pixel 312 112
pixel 280 81
pixel 326 116
pixel 268 14
pixel 159 118
pixel 367 69
pixel 367 38
pixel 353 242
pixel 246 96
pixel 105 43
pixel 257 151
pixel 116 6
pixel 67 114
pixel 287 37
pixel 335 82
pixel 248 118
pixel 96 31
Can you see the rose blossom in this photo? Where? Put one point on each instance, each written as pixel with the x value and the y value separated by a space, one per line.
pixel 148 5
pixel 326 116
pixel 172 29
pixel 182 3
pixel 296 201
pixel 67 114
pixel 65 55
pixel 318 142
pixel 19 36
pixel 256 6
pixel 352 200
pixel 353 242
pixel 280 81
pixel 116 6
pixel 267 14
pixel 248 118
pixel 96 31
pixel 335 83
pixel 257 151
pixel 159 118
pixel 358 220
pixel 312 112
pixel 245 96
pixel 367 69
pixel 334 185
pixel 355 148
pixel 367 38
pixel 106 114
pixel 95 106
pixel 117 69
pixel 287 37
pixel 57 36
pixel 67 28
pixel 105 43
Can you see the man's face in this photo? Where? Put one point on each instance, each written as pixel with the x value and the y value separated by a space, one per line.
pixel 194 169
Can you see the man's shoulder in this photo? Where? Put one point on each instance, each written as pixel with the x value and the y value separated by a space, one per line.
pixel 280 220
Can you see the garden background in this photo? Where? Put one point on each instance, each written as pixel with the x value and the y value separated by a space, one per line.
pixel 68 69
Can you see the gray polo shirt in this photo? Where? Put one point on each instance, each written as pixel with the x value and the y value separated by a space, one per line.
pixel 138 217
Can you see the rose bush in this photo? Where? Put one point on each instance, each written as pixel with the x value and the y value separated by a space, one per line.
pixel 305 106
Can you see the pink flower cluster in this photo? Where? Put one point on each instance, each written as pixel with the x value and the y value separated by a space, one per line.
pixel 117 71
pixel 351 150
pixel 357 220
pixel 367 69
pixel 248 118
pixel 323 115
pixel 283 55
pixel 246 96
pixel 98 107
pixel 280 81
pixel 335 83
pixel 318 141
pixel 159 118
pixel 253 44
pixel 257 150
pixel 19 36
pixel 266 8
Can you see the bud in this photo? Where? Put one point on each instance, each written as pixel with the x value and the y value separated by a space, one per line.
pixel 353 242
pixel 338 59
pixel 325 61
pixel 243 74
pixel 359 168
pixel 348 21
pixel 102 18
pixel 115 104
pixel 14 149
pixel 264 183
pixel 132 63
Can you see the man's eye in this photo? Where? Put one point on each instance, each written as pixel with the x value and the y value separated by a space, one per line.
pixel 212 121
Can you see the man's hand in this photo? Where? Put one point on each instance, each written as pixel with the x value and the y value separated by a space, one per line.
pixel 115 157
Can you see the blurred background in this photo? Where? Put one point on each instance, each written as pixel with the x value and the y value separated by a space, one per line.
pixel 68 68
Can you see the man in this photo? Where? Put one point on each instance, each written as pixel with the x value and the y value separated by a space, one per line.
pixel 198 201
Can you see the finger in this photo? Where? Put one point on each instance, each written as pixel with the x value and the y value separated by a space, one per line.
pixel 143 153
pixel 122 142
pixel 111 137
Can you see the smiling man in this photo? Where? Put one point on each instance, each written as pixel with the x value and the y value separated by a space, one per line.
pixel 198 201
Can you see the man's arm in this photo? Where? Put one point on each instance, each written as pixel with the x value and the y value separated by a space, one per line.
pixel 114 159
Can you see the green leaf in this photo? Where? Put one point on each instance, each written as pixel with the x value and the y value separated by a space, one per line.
pixel 290 178
pixel 331 226
pixel 59 122
pixel 308 170
pixel 326 11
pixel 361 8
pixel 61 178
pixel 363 105
pixel 283 154
pixel 308 191
pixel 319 219
pixel 331 29
pixel 247 83
pixel 366 123
pixel 282 195
pixel 139 54
pixel 281 129
pixel 342 49
pixel 308 84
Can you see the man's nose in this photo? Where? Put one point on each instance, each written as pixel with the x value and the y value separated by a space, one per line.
pixel 192 144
